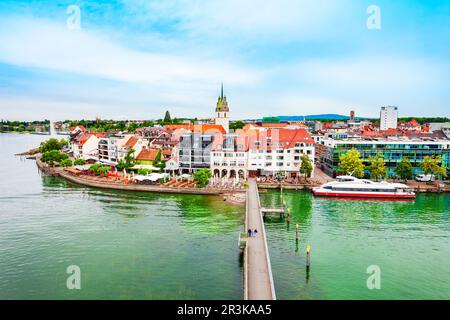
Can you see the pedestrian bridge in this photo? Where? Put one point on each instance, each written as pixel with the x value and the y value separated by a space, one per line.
pixel 258 280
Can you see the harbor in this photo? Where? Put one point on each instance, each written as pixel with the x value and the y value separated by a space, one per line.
pixel 138 245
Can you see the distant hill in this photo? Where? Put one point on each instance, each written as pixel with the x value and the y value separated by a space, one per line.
pixel 329 116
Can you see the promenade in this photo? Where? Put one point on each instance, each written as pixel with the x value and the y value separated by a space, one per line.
pixel 259 281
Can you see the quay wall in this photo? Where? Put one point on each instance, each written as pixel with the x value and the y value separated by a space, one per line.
pixel 128 187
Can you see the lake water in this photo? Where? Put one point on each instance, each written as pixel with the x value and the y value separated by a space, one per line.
pixel 150 246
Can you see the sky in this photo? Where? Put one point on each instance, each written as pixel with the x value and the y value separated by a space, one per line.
pixel 135 59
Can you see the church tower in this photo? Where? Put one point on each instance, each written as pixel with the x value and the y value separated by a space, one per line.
pixel 222 112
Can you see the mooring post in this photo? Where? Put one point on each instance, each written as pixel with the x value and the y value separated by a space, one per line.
pixel 308 257
pixel 296 232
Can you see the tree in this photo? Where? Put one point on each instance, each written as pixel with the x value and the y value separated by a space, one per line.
pixel 161 166
pixel 404 169
pixel 377 167
pixel 202 177
pixel 306 167
pixel 350 163
pixel 431 165
pixel 53 156
pixel 236 125
pixel 128 161
pixel 99 169
pixel 132 127
pixel 79 162
pixel 66 163
pixel 167 118
pixel 52 144
pixel 157 158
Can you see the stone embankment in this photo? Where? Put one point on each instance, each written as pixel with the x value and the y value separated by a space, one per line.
pixel 231 195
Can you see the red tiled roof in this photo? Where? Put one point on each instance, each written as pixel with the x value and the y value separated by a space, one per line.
pixel 147 155
pixel 86 136
pixel 413 123
pixel 203 128
pixel 82 128
pixel 276 138
pixel 131 142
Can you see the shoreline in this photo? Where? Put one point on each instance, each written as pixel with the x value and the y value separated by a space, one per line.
pixel 226 194
pixel 231 196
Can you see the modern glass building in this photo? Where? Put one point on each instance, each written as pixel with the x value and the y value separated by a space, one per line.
pixel 393 151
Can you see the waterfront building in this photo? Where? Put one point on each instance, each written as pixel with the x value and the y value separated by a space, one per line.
pixel 388 118
pixel 222 112
pixel 131 142
pixel 229 155
pixel 194 146
pixel 85 145
pixel 194 151
pixel 278 150
pixel 108 149
pixel 393 149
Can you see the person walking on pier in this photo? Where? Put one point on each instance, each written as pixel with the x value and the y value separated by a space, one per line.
pixel 249 231
pixel 255 233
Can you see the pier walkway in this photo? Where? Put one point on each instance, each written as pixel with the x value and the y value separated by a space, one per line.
pixel 258 280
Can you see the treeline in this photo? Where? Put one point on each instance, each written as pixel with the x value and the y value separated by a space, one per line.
pixel 24 126
pixel 99 125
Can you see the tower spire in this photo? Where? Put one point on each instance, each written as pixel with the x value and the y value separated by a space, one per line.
pixel 221 92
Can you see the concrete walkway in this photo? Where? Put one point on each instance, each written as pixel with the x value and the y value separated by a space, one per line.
pixel 259 284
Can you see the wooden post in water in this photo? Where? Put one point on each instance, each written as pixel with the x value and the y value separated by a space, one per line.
pixel 308 257
pixel 296 232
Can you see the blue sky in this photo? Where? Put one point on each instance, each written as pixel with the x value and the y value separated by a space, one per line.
pixel 135 59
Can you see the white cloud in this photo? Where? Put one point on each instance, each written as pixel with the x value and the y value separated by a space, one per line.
pixel 243 18
pixel 45 44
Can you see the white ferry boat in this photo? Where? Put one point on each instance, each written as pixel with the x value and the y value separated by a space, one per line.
pixel 348 186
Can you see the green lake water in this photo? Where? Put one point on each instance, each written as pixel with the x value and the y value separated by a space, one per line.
pixel 150 246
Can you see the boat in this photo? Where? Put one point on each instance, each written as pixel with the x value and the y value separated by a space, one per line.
pixel 352 187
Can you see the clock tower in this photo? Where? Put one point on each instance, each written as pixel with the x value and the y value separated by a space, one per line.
pixel 222 112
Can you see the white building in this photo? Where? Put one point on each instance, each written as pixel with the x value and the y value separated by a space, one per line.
pixel 85 146
pixel 229 156
pixel 388 118
pixel 279 150
pixel 253 153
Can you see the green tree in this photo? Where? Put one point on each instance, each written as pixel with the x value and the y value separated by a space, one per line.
pixel 99 169
pixel 128 161
pixel 54 156
pixel 79 162
pixel 377 167
pixel 432 165
pixel 132 127
pixel 404 169
pixel 167 118
pixel 306 167
pixel 66 163
pixel 161 166
pixel 202 177
pixel 350 163
pixel 236 125
pixel 157 158
pixel 52 144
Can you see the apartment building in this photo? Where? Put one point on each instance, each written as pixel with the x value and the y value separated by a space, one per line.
pixel 393 150
pixel 279 150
